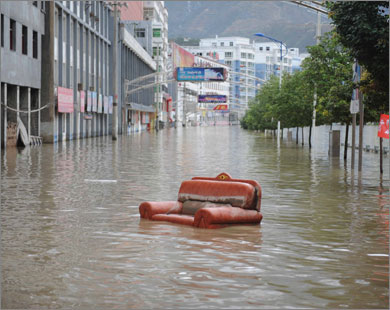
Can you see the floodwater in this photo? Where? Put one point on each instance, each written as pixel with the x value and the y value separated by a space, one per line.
pixel 71 236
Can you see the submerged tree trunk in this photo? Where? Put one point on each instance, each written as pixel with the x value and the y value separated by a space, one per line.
pixel 310 136
pixel 296 135
pixel 303 141
pixel 381 155
pixel 346 141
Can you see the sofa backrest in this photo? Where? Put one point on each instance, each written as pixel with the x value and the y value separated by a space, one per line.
pixel 237 194
pixel 225 177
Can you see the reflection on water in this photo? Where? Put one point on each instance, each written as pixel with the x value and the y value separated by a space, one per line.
pixel 71 234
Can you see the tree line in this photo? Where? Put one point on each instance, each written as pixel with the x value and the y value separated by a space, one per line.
pixel 360 33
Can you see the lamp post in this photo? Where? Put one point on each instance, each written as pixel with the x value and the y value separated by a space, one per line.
pixel 281 64
pixel 281 53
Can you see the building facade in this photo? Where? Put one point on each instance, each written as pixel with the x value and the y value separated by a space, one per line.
pixel 21 29
pixel 239 54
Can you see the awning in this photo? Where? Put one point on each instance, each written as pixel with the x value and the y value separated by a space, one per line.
pixel 140 107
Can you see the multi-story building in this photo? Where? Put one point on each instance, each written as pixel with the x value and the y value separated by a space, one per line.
pixel 21 29
pixel 239 54
pixel 210 113
pixel 77 71
pixel 267 60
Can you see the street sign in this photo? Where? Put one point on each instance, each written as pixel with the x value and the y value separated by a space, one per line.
pixel 354 107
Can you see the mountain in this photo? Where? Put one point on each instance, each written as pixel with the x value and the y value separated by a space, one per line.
pixel 282 20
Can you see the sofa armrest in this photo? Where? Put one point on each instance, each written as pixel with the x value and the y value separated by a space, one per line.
pixel 207 217
pixel 147 208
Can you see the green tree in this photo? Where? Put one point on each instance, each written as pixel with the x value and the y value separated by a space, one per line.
pixel 363 27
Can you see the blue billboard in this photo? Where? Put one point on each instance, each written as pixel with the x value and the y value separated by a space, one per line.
pixel 201 74
pixel 212 98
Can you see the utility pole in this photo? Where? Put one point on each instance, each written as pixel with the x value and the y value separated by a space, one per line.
pixel 114 78
pixel 318 35
pixel 184 106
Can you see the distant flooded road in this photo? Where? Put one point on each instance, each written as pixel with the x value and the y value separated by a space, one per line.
pixel 71 236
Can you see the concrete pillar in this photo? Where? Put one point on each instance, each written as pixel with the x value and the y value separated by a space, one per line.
pixel 17 103
pixel 39 112
pixel 289 135
pixel 334 143
pixel 5 114
pixel 29 113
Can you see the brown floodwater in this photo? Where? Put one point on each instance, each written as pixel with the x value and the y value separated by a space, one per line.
pixel 71 236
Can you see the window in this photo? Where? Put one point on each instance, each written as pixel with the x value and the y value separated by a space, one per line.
pixel 156 33
pixel 12 35
pixel 243 55
pixel 230 43
pixel 2 30
pixel 24 40
pixel 260 48
pixel 229 62
pixel 35 44
pixel 222 44
pixel 267 48
pixel 35 3
pixel 228 54
pixel 214 44
pixel 139 32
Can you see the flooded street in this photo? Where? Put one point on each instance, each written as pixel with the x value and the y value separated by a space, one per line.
pixel 71 236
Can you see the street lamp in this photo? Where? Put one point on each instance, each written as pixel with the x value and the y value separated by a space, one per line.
pixel 281 64
pixel 281 53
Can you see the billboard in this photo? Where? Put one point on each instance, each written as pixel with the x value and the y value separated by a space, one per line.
pixel 110 104
pixel 221 107
pixel 100 104
pixel 201 74
pixel 212 98
pixel 65 100
pixel 94 101
pixel 105 105
pixel 181 57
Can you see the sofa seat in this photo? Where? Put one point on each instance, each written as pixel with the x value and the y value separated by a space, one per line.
pixel 209 203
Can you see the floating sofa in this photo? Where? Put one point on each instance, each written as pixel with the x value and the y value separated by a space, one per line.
pixel 209 203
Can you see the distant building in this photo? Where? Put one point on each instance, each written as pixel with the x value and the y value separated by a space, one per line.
pixel 239 55
pixel 267 60
pixel 22 27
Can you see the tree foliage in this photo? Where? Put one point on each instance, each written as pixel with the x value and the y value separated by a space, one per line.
pixel 363 28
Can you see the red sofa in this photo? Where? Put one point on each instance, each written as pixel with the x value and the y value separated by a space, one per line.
pixel 209 203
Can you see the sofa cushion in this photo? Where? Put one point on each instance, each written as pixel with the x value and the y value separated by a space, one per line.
pixel 190 207
pixel 241 195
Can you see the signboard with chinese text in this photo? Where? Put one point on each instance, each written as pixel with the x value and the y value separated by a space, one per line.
pixel 212 98
pixel 65 100
pixel 82 101
pixel 201 74
pixel 94 101
pixel 89 101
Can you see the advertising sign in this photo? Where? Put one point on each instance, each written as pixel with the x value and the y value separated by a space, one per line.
pixel 221 107
pixel 82 101
pixel 383 130
pixel 65 100
pixel 89 101
pixel 181 57
pixel 200 74
pixel 100 104
pixel 212 98
pixel 110 101
pixel 105 104
pixel 94 101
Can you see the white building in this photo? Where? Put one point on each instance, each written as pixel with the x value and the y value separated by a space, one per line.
pixel 267 59
pixel 239 54
pixel 156 13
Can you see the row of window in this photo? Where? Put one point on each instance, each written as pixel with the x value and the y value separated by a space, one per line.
pixel 23 40
pixel 214 44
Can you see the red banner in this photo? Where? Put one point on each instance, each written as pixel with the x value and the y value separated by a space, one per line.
pixel 222 107
pixel 65 100
pixel 383 130
pixel 82 101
